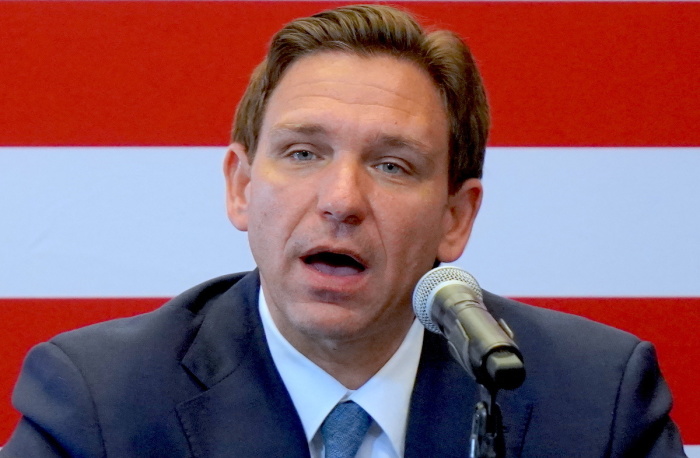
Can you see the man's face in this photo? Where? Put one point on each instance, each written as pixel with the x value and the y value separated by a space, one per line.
pixel 346 202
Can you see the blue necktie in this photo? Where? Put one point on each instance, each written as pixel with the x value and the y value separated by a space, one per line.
pixel 344 429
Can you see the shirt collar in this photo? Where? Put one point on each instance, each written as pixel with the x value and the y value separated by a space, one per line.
pixel 386 396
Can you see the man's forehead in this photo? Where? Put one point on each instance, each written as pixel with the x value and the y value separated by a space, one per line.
pixel 321 64
pixel 370 81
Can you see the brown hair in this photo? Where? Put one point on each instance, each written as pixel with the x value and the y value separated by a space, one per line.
pixel 377 29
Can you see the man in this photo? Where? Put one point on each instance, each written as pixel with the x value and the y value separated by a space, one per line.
pixel 355 164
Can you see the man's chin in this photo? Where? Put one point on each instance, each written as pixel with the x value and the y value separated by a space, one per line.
pixel 340 325
pixel 336 329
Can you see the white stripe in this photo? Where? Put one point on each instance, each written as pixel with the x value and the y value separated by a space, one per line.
pixel 81 222
pixel 113 221
pixel 589 222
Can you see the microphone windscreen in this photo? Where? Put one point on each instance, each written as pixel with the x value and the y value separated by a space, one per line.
pixel 431 282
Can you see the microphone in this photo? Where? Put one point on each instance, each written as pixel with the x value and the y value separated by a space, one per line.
pixel 448 301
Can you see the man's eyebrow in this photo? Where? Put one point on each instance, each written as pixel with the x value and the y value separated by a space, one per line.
pixel 382 140
pixel 396 141
pixel 303 129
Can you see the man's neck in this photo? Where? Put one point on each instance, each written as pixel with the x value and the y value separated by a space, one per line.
pixel 350 359
pixel 353 362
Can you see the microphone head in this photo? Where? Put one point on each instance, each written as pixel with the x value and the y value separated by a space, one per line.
pixel 432 281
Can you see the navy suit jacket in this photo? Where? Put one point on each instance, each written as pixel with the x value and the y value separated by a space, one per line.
pixel 195 378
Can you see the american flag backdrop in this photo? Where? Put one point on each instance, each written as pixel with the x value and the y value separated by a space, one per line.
pixel 114 117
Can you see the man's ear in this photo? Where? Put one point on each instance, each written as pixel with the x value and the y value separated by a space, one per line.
pixel 462 207
pixel 237 174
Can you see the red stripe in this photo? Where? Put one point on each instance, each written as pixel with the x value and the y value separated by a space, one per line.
pixel 668 322
pixel 170 73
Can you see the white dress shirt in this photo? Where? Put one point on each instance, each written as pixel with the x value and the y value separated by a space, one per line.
pixel 386 396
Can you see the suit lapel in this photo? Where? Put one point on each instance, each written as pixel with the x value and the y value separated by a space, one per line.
pixel 516 411
pixel 442 406
pixel 245 409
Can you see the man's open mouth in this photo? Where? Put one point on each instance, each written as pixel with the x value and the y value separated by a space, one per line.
pixel 334 263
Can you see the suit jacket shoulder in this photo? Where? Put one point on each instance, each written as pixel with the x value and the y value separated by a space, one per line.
pixel 192 378
pixel 590 391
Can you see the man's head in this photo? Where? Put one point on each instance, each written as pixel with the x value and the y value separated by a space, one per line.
pixel 368 30
pixel 349 199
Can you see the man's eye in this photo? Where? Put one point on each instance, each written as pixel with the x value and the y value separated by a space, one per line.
pixel 390 168
pixel 303 155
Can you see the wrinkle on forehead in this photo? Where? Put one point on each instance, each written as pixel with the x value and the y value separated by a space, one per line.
pixel 356 102
pixel 320 83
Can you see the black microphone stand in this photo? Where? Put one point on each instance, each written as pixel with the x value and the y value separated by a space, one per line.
pixel 499 370
pixel 486 439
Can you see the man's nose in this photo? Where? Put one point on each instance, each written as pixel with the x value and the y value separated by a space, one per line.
pixel 342 192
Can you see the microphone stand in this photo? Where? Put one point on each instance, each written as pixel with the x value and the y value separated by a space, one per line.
pixel 486 439
pixel 497 369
